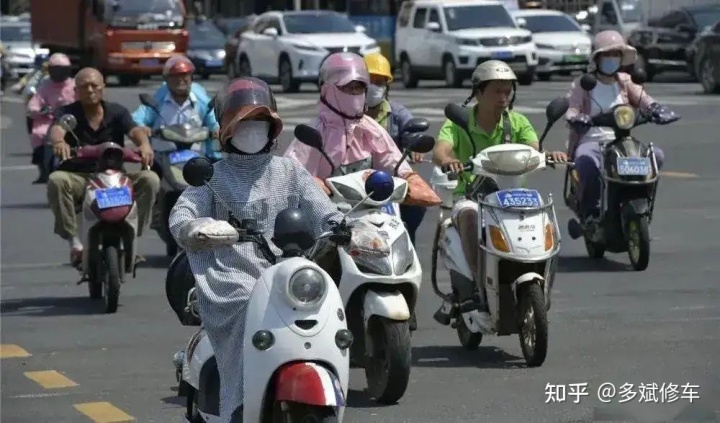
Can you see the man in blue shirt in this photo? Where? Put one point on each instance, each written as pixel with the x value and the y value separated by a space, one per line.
pixel 181 101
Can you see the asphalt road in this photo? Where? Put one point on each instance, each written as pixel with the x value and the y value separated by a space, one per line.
pixel 65 361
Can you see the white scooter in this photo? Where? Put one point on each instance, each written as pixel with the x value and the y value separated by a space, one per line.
pixel 519 241
pixel 379 291
pixel 296 357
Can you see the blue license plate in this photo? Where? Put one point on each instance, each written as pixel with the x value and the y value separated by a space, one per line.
pixel 113 197
pixel 501 54
pixel 213 63
pixel 149 62
pixel 526 198
pixel 182 156
pixel 388 208
pixel 633 166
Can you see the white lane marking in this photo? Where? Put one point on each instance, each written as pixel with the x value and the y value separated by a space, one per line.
pixel 16 168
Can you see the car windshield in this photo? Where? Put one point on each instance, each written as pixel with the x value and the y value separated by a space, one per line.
pixel 706 17
pixel 10 33
pixel 317 23
pixel 133 8
pixel 469 17
pixel 631 11
pixel 206 34
pixel 550 23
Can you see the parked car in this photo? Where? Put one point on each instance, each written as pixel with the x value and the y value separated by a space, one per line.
pixel 232 28
pixel 289 47
pixel 664 43
pixel 563 47
pixel 447 39
pixel 20 51
pixel 206 47
pixel 707 59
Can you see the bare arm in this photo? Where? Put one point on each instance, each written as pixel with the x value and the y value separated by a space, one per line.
pixel 443 152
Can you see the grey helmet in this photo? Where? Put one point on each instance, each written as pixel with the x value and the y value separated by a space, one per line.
pixel 491 70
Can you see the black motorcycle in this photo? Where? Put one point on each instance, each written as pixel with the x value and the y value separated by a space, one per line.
pixel 629 180
pixel 169 166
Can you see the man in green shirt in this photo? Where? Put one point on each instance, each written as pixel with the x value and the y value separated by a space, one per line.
pixel 491 122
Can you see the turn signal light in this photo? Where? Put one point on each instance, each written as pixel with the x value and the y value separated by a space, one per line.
pixel 498 239
pixel 549 237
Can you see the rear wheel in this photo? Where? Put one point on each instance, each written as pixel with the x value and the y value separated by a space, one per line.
pixel 706 75
pixel 595 250
pixel 113 279
pixel 388 368
pixel 638 237
pixel 304 413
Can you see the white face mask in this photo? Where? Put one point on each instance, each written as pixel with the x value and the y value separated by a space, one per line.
pixel 251 136
pixel 375 95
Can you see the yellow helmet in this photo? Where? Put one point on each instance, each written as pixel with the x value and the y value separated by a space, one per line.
pixel 377 64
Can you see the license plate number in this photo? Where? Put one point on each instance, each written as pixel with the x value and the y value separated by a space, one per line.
pixel 501 54
pixel 519 198
pixel 113 197
pixel 633 166
pixel 574 58
pixel 214 63
pixel 388 208
pixel 149 62
pixel 182 156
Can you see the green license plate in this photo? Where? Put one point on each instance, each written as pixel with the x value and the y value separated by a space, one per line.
pixel 574 58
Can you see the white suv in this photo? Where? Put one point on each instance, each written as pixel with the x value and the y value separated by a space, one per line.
pixel 447 39
pixel 289 47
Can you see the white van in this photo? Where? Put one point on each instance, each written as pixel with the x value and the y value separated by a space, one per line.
pixel 447 39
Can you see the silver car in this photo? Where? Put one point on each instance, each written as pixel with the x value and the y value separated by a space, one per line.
pixel 20 51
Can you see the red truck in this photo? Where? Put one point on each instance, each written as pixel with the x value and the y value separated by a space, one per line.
pixel 125 38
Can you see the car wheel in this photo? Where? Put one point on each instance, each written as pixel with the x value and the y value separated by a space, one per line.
pixel 244 68
pixel 409 78
pixel 707 76
pixel 285 73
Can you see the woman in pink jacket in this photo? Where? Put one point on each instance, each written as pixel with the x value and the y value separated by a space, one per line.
pixel 614 87
pixel 56 91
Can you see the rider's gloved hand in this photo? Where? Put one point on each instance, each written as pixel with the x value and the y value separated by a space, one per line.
pixel 662 114
pixel 206 232
pixel 580 121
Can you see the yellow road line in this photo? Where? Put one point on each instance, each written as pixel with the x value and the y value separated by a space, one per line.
pixel 12 351
pixel 104 412
pixel 678 174
pixel 50 379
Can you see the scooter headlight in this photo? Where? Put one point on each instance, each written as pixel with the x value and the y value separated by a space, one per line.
pixel 306 289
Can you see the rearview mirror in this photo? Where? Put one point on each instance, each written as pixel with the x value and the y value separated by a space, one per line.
pixel 588 82
pixel 271 32
pixel 68 122
pixel 457 115
pixel 433 26
pixel 556 109
pixel 360 28
pixel 149 101
pixel 309 136
pixel 521 23
pixel 379 185
pixel 197 171
pixel 419 143
pixel 416 125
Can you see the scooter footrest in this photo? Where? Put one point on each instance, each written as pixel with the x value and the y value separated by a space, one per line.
pixel 441 317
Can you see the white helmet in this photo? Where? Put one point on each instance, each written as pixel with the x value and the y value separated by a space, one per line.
pixel 492 70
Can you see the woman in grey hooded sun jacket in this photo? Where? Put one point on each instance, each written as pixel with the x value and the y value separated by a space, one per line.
pixel 256 185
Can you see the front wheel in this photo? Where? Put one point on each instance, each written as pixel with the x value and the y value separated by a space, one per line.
pixel 533 324
pixel 638 238
pixel 469 340
pixel 113 279
pixel 388 367
pixel 304 413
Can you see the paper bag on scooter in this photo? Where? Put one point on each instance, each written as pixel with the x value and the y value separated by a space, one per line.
pixel 366 240
pixel 419 193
